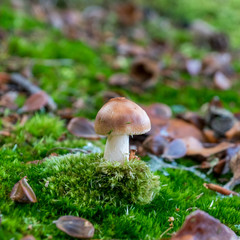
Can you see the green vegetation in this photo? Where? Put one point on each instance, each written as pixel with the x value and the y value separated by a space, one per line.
pixel 69 176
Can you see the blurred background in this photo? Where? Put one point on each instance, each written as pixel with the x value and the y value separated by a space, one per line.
pixel 181 53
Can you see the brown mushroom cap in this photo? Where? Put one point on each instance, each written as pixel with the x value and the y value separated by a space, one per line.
pixel 120 116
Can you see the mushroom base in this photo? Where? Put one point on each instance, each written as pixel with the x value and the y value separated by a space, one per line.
pixel 117 148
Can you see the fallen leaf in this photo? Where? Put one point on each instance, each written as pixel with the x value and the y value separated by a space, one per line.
pixel 4 78
pixel 221 81
pixel 193 118
pixel 132 155
pixel 195 147
pixel 219 189
pixel 82 127
pixel 177 128
pixel 128 13
pixel 75 226
pixel 155 144
pixel 175 149
pixel 219 42
pixel 35 102
pixel 235 167
pixel 22 192
pixel 201 226
pixel 144 72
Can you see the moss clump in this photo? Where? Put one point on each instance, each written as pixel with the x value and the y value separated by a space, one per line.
pixel 44 125
pixel 91 180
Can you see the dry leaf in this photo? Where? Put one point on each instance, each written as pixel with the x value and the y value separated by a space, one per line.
pixel 155 144
pixel 22 192
pixel 175 149
pixel 192 118
pixel 82 127
pixel 177 128
pixel 219 189
pixel 128 13
pixel 75 226
pixel 35 102
pixel 195 147
pixel 144 72
pixel 201 226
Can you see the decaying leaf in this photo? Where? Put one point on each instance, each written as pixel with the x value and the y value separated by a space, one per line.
pixel 175 149
pixel 201 226
pixel 35 102
pixel 144 72
pixel 132 155
pixel 82 127
pixel 75 226
pixel 22 192
pixel 235 167
pixel 192 118
pixel 219 189
pixel 195 147
pixel 128 13
pixel 177 128
pixel 155 144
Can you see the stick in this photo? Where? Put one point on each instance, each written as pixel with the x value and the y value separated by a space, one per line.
pixel 24 83
pixel 219 189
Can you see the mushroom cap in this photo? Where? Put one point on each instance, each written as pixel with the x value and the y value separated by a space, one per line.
pixel 120 116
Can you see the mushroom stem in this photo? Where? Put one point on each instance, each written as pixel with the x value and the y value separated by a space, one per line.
pixel 117 148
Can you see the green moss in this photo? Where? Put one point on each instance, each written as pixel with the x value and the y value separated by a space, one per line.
pixel 44 125
pixel 92 181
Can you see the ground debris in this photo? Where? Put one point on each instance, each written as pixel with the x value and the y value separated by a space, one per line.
pixel 75 226
pixel 219 189
pixel 201 226
pixel 22 192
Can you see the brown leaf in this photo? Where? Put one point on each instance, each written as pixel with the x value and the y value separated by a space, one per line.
pixel 35 102
pixel 192 118
pixel 201 226
pixel 128 13
pixel 75 227
pixel 195 147
pixel 22 192
pixel 221 81
pixel 177 128
pixel 4 77
pixel 219 189
pixel 82 127
pixel 132 155
pixel 155 144
pixel 235 167
pixel 144 72
pixel 175 149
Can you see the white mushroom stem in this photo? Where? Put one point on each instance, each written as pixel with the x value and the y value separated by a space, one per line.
pixel 117 148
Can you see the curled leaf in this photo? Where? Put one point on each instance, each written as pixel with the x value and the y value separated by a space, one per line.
pixel 195 147
pixel 201 226
pixel 75 226
pixel 22 192
pixel 175 149
pixel 82 127
pixel 35 102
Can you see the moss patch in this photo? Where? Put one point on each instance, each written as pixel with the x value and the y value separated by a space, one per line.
pixel 92 181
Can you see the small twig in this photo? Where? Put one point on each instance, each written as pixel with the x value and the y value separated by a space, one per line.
pixel 219 189
pixel 70 150
pixel 25 84
pixel 165 232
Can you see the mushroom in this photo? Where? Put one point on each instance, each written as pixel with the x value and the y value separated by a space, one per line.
pixel 119 118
